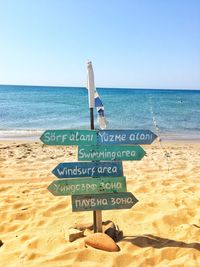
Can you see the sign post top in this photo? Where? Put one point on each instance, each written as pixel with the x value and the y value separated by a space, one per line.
pixel 90 84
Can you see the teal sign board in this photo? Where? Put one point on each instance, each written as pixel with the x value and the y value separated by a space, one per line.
pixel 88 169
pixel 103 202
pixel 87 186
pixel 96 153
pixel 96 137
pixel 125 137
pixel 69 137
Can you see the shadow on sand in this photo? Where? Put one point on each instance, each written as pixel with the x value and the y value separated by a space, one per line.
pixel 144 241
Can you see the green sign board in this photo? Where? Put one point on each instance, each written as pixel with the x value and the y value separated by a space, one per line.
pixel 87 186
pixel 103 202
pixel 69 137
pixel 107 153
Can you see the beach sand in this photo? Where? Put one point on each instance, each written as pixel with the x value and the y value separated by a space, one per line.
pixel 162 229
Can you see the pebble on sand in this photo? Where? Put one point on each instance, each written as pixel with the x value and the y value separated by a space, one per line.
pixel 101 241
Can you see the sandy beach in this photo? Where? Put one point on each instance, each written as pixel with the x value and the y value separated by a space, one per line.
pixel 162 229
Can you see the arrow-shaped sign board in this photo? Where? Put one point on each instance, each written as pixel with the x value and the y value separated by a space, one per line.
pixel 96 137
pixel 88 169
pixel 125 137
pixel 103 202
pixel 87 186
pixel 96 153
pixel 69 137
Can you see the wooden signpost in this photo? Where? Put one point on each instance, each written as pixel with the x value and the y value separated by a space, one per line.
pixel 96 182
pixel 95 185
pixel 106 187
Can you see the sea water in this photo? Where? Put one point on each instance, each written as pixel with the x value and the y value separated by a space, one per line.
pixel 26 111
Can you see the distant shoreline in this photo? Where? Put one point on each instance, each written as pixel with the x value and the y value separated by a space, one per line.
pixel 99 87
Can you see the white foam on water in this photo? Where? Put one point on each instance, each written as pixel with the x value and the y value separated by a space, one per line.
pixel 20 134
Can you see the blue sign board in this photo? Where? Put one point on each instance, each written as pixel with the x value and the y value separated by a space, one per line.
pixel 125 137
pixel 88 169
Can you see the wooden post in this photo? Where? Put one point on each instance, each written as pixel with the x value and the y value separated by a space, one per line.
pixel 91 119
pixel 98 221
pixel 97 214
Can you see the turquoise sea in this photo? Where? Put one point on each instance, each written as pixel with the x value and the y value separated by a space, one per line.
pixel 26 111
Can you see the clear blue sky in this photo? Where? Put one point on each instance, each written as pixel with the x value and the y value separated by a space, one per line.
pixel 132 43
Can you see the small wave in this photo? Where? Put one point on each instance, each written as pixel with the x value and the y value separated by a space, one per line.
pixel 181 136
pixel 20 134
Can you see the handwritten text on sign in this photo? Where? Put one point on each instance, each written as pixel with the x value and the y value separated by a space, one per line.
pixel 103 202
pixel 114 137
pixel 69 137
pixel 87 186
pixel 95 137
pixel 88 169
pixel 110 153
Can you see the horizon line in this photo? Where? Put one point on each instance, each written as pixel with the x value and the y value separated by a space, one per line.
pixel 101 87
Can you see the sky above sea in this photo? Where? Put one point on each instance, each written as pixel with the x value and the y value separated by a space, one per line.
pixel 131 43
